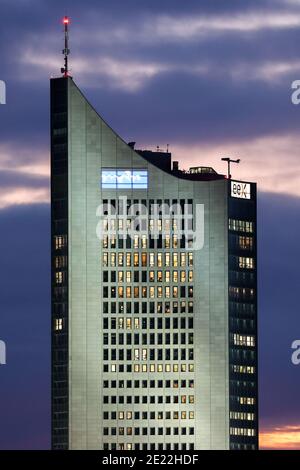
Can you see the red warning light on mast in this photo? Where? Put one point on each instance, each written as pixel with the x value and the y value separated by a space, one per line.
pixel 66 20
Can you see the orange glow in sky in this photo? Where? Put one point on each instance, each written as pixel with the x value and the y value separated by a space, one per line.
pixel 283 438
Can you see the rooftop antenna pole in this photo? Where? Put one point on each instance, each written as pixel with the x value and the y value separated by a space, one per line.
pixel 229 160
pixel 66 50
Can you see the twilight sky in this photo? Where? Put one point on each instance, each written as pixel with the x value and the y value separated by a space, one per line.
pixel 210 79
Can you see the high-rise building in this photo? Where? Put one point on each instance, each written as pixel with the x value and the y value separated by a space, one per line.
pixel 154 294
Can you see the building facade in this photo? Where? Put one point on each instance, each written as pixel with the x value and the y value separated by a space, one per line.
pixel 154 324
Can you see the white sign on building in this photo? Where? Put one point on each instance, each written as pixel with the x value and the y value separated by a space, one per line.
pixel 240 190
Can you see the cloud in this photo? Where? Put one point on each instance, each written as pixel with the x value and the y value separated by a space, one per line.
pixel 272 161
pixel 129 75
pixel 191 27
pixel 282 438
pixel 24 176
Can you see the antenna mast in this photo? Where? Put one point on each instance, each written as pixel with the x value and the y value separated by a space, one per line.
pixel 229 160
pixel 66 50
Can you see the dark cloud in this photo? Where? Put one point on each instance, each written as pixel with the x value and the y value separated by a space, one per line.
pixel 25 327
pixel 13 179
pixel 279 279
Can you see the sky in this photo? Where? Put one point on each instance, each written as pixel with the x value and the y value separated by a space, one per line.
pixel 208 78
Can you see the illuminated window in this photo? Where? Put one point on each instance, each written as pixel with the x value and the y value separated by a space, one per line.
pixel 244 340
pixel 191 259
pixel 120 259
pixel 128 276
pixel 60 242
pixel 105 259
pixel 120 276
pixel 175 276
pixel 59 277
pixel 175 241
pixel 167 259
pixel 128 292
pixel 144 241
pixel 245 243
pixel 144 259
pixel 151 276
pixel 246 263
pixel 151 292
pixel 159 260
pixel 144 292
pixel 241 225
pixel 135 241
pixel 124 179
pixel 175 260
pixel 128 259
pixel 182 276
pixel 135 260
pixel 191 276
pixel 182 260
pixel 58 324
pixel 167 241
pixel 144 354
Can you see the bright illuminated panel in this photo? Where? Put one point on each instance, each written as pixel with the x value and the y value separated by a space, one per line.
pixel 240 190
pixel 124 179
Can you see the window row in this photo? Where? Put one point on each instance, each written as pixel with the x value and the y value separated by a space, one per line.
pixel 137 399
pixel 137 368
pixel 243 293
pixel 237 415
pixel 148 339
pixel 152 206
pixel 245 243
pixel 60 242
pixel 242 432
pixel 243 340
pixel 144 259
pixel 138 354
pixel 149 307
pixel 136 431
pixel 151 446
pixel 157 415
pixel 141 222
pixel 148 276
pixel 145 323
pixel 241 309
pixel 241 225
pixel 241 369
pixel 60 262
pixel 148 384
pixel 246 400
pixel 144 242
pixel 245 262
pixel 147 292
